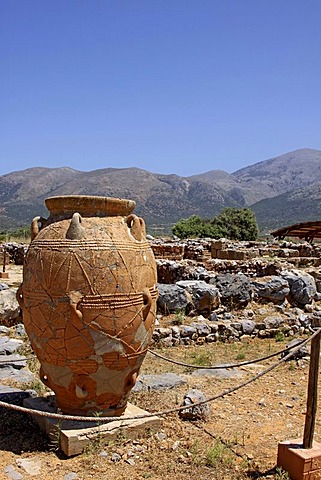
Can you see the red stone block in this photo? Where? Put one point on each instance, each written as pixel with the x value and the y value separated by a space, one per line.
pixel 300 463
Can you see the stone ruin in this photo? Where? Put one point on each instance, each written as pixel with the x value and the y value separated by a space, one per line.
pixel 14 252
pixel 213 290
pixel 227 290
pixel 204 249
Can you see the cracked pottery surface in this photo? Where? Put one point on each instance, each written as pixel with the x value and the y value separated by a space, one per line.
pixel 89 301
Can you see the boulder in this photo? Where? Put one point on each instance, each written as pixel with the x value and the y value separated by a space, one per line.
pixel 235 290
pixel 9 306
pixel 172 271
pixel 248 326
pixel 273 321
pixel 271 289
pixel 187 331
pixel 302 287
pixel 316 274
pixel 172 298
pixel 202 328
pixel 205 297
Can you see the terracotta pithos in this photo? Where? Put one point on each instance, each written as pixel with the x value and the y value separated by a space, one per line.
pixel 89 301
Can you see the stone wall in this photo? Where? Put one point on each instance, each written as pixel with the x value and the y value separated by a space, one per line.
pixel 202 250
pixel 232 329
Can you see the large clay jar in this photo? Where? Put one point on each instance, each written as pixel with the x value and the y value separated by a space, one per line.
pixel 89 301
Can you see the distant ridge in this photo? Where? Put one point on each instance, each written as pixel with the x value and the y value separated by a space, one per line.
pixel 281 190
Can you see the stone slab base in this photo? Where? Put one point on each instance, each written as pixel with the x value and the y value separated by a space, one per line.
pixel 73 437
pixel 4 275
pixel 300 463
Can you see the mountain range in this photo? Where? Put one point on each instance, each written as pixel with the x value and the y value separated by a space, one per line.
pixel 281 191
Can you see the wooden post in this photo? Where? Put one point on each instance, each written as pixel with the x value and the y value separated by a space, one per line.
pixel 4 259
pixel 312 400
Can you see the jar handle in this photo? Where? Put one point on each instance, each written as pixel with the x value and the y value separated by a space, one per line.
pixel 137 227
pixel 75 230
pixel 74 302
pixel 147 299
pixel 35 228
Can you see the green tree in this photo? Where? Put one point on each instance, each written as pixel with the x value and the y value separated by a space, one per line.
pixel 194 226
pixel 236 224
pixel 232 223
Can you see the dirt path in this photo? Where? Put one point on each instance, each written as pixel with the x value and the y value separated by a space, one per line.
pixel 239 441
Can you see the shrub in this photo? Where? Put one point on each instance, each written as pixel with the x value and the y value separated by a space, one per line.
pixel 232 223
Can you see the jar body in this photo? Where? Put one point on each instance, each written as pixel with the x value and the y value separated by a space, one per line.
pixel 89 304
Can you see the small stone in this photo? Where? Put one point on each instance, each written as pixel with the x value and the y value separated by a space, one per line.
pixel 182 459
pixel 103 454
pixel 12 473
pixel 141 448
pixel 8 346
pixel 212 337
pixel 197 412
pixel 115 457
pixel 130 461
pixel 4 329
pixel 175 445
pixel 161 436
pixel 302 352
pixel 19 330
pixel 70 476
pixel 309 308
pixel 175 331
pixel 32 467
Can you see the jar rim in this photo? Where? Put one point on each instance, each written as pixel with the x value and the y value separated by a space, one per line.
pixel 89 205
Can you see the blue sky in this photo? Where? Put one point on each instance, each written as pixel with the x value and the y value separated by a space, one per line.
pixel 171 86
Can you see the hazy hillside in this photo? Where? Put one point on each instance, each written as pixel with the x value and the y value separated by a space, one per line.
pixel 281 174
pixel 161 199
pixel 301 205
pixel 282 190
pixel 22 193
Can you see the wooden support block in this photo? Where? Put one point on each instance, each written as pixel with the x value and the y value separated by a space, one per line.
pixel 4 275
pixel 300 463
pixel 73 437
